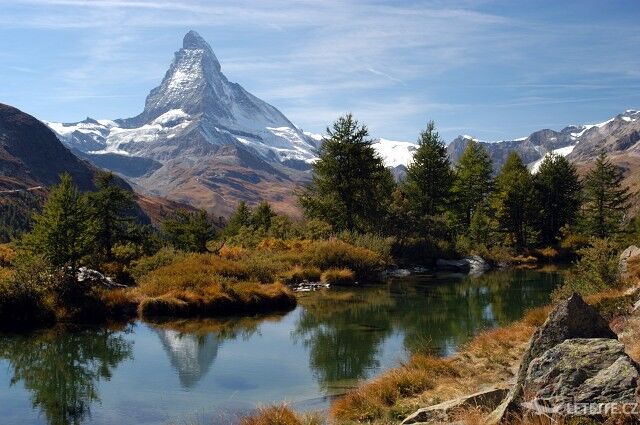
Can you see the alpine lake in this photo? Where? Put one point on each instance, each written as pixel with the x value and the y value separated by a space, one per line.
pixel 216 370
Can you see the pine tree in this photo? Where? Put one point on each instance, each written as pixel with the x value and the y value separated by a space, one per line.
pixel 472 183
pixel 110 207
pixel 513 200
pixel 189 231
pixel 240 217
pixel 63 232
pixel 558 196
pixel 262 216
pixel 606 199
pixel 351 188
pixel 429 176
pixel 402 223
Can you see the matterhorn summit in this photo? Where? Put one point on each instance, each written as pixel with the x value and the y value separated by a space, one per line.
pixel 200 139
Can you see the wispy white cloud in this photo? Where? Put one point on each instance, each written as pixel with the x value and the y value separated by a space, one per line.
pixel 314 60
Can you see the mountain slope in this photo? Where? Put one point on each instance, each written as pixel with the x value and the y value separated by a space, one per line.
pixel 200 139
pixel 618 137
pixel 31 155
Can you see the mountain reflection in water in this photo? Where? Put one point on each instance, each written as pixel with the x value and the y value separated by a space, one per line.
pixel 160 373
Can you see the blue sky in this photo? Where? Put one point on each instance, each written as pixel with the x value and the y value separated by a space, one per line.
pixel 492 69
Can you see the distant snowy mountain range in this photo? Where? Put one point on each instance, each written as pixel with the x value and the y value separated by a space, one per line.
pixel 619 134
pixel 206 141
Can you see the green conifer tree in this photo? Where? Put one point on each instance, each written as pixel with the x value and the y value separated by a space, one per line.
pixel 513 200
pixel 606 199
pixel 111 208
pixel 189 231
pixel 472 184
pixel 240 217
pixel 429 177
pixel 262 216
pixel 351 188
pixel 64 232
pixel 558 197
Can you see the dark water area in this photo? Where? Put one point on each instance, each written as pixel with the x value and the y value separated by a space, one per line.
pixel 213 371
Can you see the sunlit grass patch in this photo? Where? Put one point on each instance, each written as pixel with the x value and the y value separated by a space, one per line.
pixel 338 277
pixel 281 415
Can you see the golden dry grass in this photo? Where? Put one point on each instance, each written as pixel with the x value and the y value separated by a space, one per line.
pixel 280 415
pixel 489 359
pixel 335 276
pixel 298 274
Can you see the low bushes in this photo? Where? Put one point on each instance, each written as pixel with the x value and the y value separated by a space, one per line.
pixel 173 283
pixel 298 274
pixel 338 254
pixel 23 305
pixel 595 271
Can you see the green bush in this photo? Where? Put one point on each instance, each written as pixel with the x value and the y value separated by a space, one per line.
pixel 147 264
pixel 381 245
pixel 23 296
pixel 595 271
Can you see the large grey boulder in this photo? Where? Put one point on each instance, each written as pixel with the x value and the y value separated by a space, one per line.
pixel 570 319
pixel 626 255
pixel 443 412
pixel 577 375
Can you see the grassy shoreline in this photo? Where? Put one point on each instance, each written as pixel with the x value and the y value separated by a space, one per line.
pixel 490 359
pixel 170 283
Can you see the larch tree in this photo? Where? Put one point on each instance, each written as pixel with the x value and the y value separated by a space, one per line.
pixel 513 200
pixel 429 176
pixel 606 199
pixel 351 188
pixel 473 180
pixel 64 231
pixel 558 196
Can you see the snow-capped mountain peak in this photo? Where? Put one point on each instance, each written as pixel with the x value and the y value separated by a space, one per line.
pixel 194 103
pixel 577 142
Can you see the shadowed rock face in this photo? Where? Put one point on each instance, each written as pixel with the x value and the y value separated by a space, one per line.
pixel 30 153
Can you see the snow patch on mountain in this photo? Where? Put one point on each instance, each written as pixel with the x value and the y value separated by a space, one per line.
pixel 534 167
pixel 395 153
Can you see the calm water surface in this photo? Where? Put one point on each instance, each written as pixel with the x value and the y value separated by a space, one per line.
pixel 213 371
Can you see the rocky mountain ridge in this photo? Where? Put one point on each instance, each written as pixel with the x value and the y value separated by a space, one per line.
pixel 200 139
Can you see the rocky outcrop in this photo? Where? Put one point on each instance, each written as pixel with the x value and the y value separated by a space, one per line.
pixel 629 253
pixel 443 412
pixel 571 319
pixel 576 374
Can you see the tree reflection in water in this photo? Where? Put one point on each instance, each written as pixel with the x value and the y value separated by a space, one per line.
pixel 62 367
pixel 435 315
